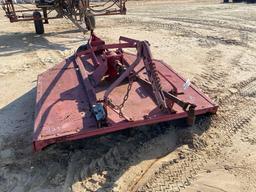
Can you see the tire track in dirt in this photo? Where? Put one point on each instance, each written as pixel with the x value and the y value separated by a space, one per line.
pixel 242 88
pixel 180 29
pixel 88 160
pixel 101 172
pixel 210 22
pixel 55 160
pixel 176 176
pixel 212 77
pixel 250 89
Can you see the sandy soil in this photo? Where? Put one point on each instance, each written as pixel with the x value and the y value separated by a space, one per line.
pixel 210 43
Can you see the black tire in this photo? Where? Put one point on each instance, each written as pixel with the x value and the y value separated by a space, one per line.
pixel 225 1
pixel 90 22
pixel 38 22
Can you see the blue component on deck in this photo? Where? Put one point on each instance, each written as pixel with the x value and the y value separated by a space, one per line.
pixel 99 112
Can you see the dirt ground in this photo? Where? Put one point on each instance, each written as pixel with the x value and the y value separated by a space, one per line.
pixel 211 43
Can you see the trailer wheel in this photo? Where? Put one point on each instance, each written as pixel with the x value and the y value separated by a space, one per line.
pixel 90 22
pixel 38 22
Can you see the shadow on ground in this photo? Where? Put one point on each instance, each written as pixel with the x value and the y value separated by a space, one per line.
pixel 13 43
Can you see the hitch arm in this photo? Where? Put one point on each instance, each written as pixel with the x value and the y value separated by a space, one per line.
pixel 186 106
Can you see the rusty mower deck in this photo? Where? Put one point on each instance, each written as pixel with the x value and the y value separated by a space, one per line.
pixel 102 89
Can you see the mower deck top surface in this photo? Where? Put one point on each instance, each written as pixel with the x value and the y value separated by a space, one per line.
pixel 102 89
pixel 62 109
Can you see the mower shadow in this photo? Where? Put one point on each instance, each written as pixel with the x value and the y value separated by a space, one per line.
pixel 14 43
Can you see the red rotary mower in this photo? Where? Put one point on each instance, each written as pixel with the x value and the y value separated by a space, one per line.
pixel 102 89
